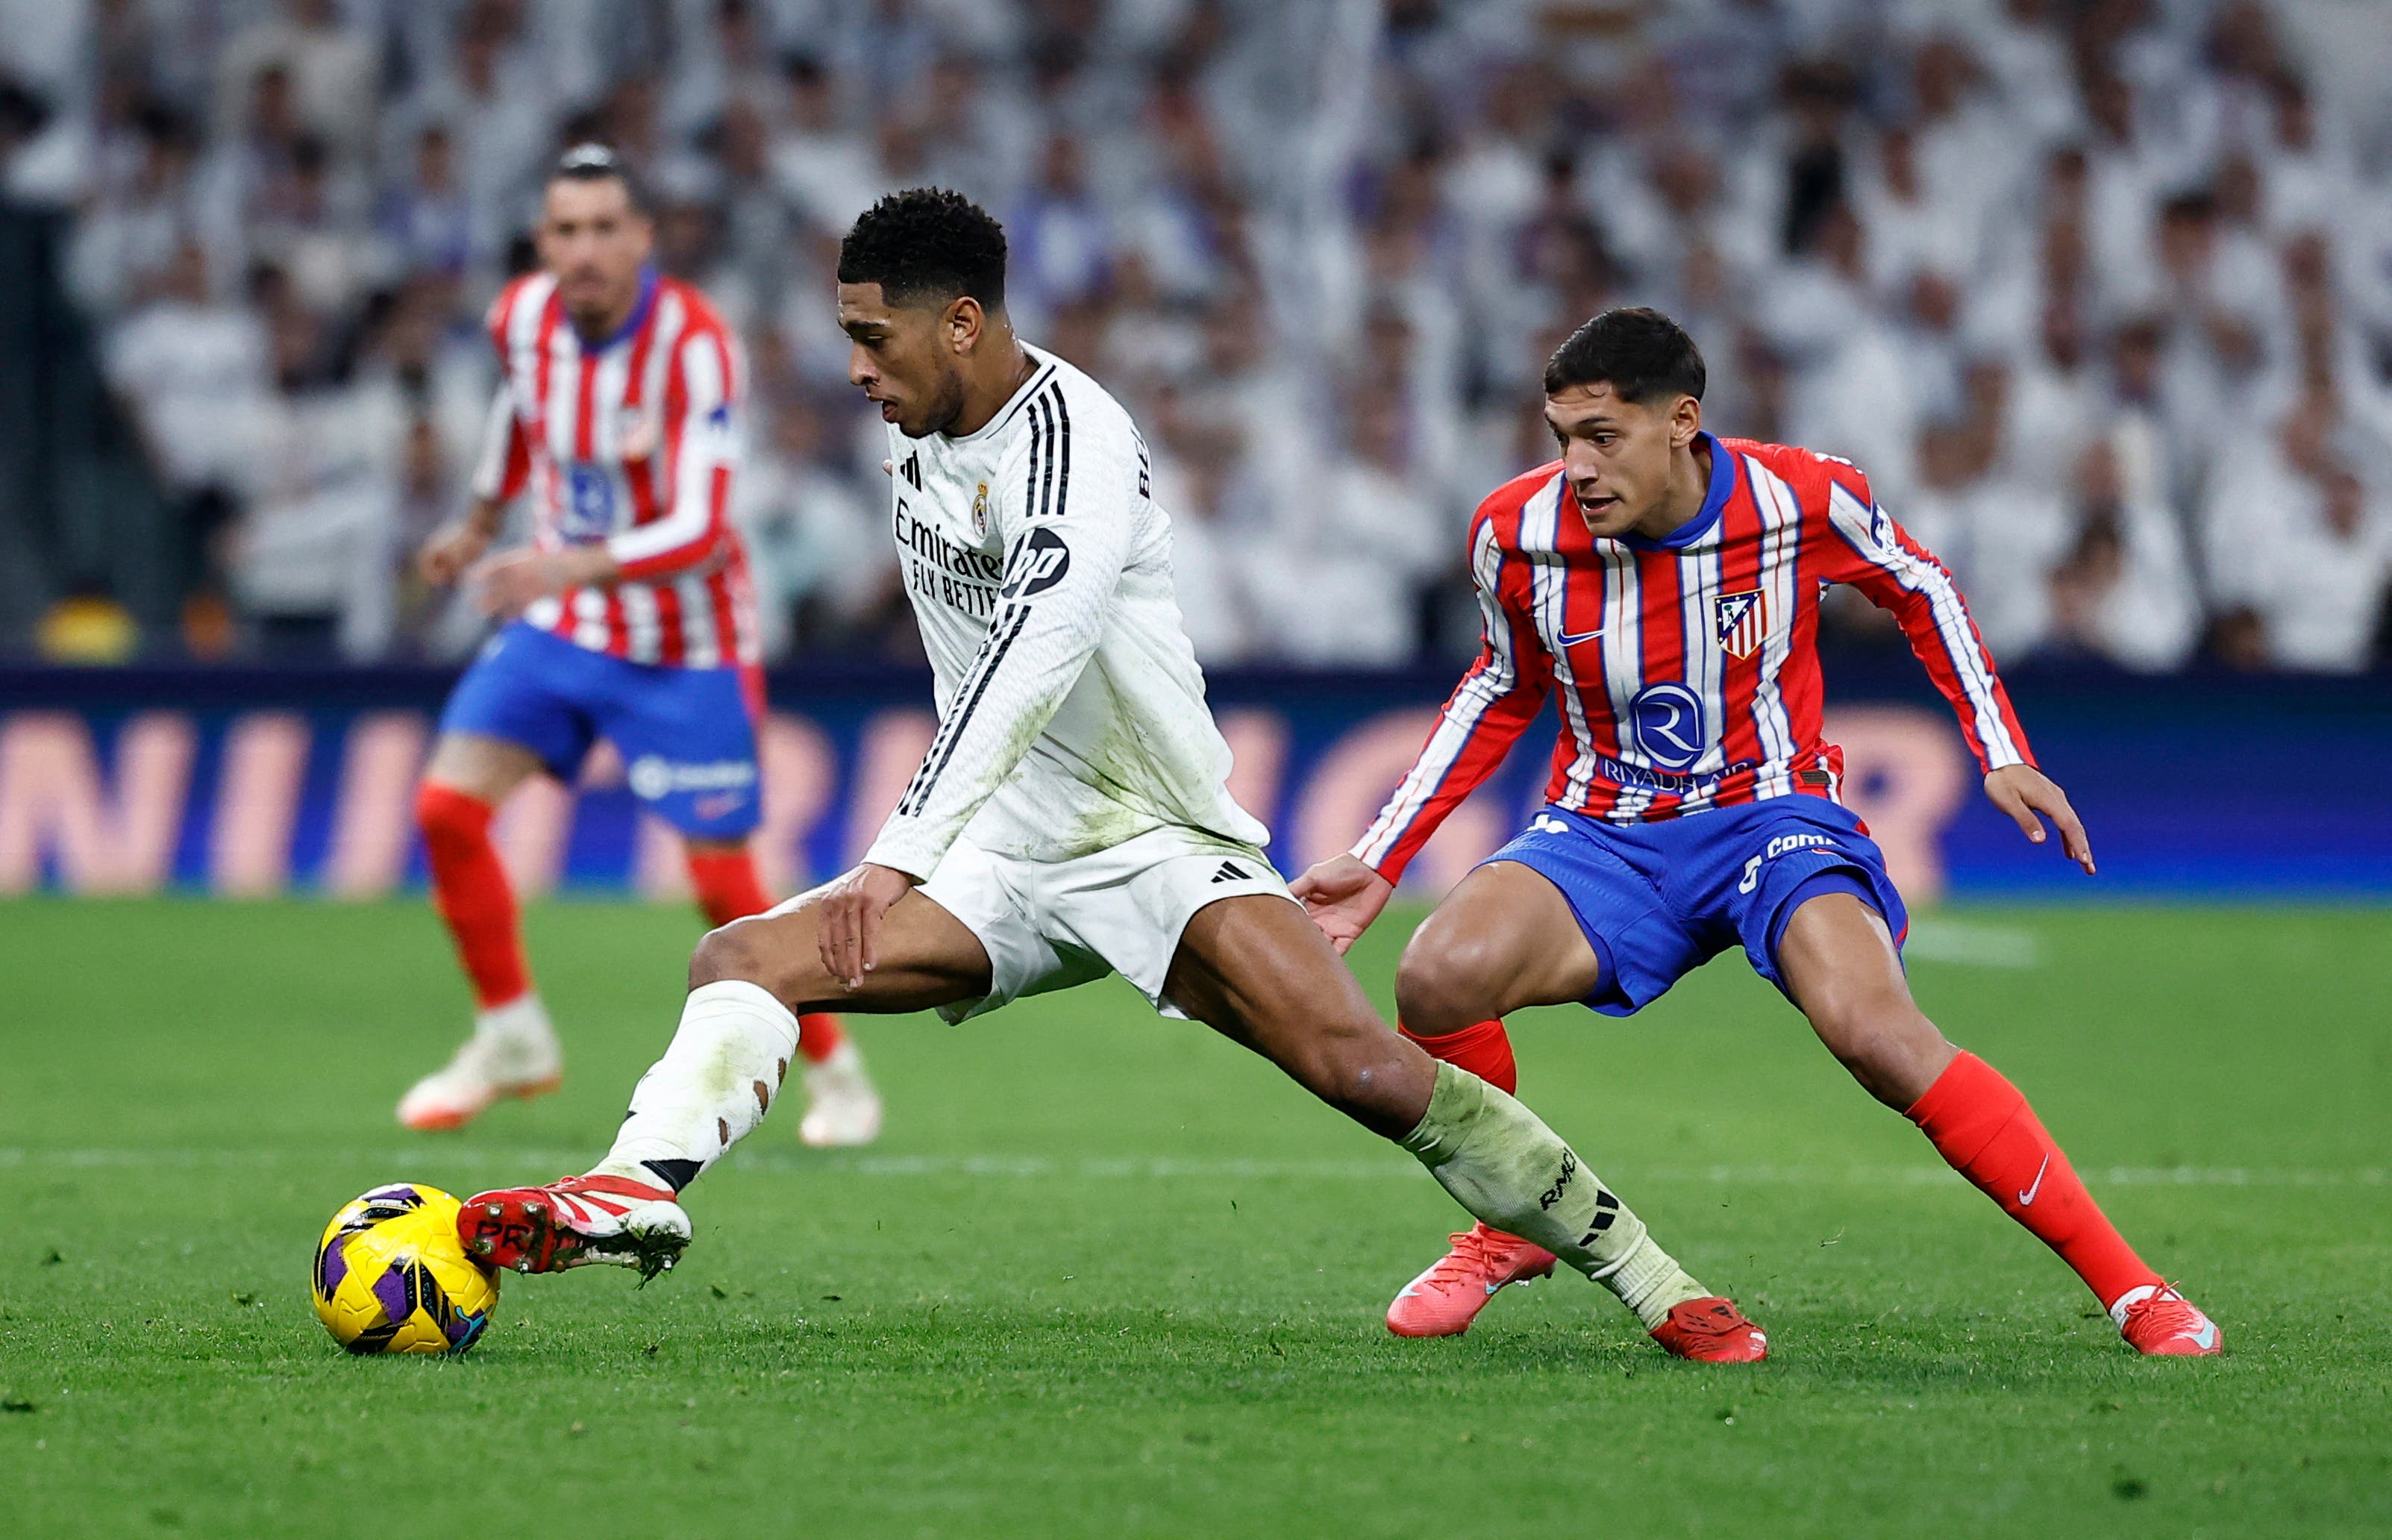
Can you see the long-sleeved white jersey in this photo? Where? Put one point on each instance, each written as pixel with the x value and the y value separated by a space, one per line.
pixel 1072 712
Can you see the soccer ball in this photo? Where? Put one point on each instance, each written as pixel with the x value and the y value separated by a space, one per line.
pixel 392 1278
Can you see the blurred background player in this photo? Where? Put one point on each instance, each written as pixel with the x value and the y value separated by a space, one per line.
pixel 631 617
pixel 1669 583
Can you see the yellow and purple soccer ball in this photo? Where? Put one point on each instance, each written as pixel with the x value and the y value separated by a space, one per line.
pixel 392 1278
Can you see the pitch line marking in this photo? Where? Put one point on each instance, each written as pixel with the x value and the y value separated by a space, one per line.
pixel 1972 943
pixel 518 1162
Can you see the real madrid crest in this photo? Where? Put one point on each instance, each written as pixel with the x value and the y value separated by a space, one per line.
pixel 980 509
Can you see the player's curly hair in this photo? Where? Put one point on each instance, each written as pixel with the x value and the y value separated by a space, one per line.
pixel 926 244
pixel 1642 354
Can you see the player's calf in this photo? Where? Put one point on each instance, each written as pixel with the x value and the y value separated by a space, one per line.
pixel 1837 960
pixel 1884 1042
pixel 1258 970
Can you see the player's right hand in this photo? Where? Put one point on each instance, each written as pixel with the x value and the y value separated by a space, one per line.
pixel 852 909
pixel 1343 896
pixel 451 549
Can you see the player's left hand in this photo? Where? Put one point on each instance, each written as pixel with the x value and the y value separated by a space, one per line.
pixel 2024 792
pixel 851 910
pixel 509 583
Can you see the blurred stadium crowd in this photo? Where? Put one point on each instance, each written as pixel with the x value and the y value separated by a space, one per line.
pixel 2098 292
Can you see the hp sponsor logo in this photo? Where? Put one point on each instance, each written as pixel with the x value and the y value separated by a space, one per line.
pixel 1040 566
pixel 1667 722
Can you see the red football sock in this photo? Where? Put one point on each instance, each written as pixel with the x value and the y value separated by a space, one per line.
pixel 1485 1050
pixel 1979 1122
pixel 819 1036
pixel 727 885
pixel 470 889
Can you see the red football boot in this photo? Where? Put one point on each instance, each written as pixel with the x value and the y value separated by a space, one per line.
pixel 573 1223
pixel 2160 1323
pixel 1711 1330
pixel 1445 1299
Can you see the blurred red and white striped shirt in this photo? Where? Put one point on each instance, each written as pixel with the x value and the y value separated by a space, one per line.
pixel 630 440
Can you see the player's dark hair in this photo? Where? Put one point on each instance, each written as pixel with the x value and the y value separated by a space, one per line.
pixel 591 162
pixel 926 244
pixel 1642 354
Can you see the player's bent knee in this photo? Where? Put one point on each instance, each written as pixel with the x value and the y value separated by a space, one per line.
pixel 733 954
pixel 1446 983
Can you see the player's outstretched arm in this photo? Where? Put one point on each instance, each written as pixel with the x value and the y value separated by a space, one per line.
pixel 1343 896
pixel 2029 796
pixel 1850 540
pixel 1487 712
pixel 505 465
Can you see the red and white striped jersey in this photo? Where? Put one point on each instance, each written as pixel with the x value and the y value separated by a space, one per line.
pixel 1687 667
pixel 630 440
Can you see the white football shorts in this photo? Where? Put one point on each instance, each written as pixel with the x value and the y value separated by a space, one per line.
pixel 1052 924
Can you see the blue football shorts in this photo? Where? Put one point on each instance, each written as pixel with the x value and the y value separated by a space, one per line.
pixel 1658 900
pixel 687 736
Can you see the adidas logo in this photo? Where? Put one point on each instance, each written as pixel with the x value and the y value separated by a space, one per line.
pixel 1233 872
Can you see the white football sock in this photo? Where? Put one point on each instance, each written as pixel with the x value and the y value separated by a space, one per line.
pixel 1502 1162
pixel 1649 1282
pixel 710 1090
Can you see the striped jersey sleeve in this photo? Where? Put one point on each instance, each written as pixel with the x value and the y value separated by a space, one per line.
pixel 1068 515
pixel 1858 542
pixel 700 446
pixel 1487 712
pixel 505 463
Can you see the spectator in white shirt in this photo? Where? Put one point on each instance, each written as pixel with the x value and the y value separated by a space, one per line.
pixel 828 172
pixel 822 561
pixel 2125 592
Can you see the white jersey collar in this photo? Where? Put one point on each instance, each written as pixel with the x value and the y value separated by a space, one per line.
pixel 1037 381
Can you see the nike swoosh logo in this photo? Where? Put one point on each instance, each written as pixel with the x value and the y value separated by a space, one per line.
pixel 2026 1200
pixel 1571 639
pixel 2205 1339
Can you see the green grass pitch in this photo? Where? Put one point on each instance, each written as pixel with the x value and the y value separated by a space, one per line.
pixel 1106 1275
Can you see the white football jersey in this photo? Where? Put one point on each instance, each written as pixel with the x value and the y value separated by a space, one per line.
pixel 1072 712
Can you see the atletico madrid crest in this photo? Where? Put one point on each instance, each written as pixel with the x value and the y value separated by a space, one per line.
pixel 1743 622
